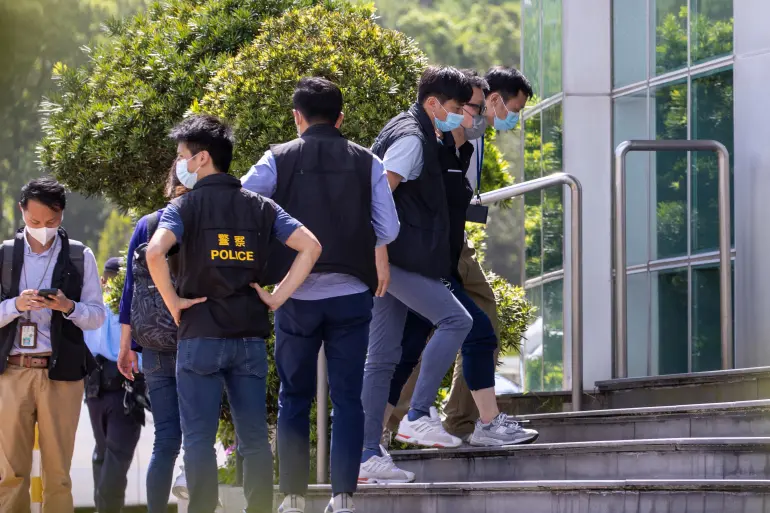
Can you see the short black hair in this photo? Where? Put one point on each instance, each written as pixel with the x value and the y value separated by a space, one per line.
pixel 203 132
pixel 476 80
pixel 445 83
pixel 508 81
pixel 47 191
pixel 318 100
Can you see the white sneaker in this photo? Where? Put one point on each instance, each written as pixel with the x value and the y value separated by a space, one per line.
pixel 426 431
pixel 381 469
pixel 342 503
pixel 292 504
pixel 179 489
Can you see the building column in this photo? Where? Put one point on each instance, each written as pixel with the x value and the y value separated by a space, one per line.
pixel 587 111
pixel 752 182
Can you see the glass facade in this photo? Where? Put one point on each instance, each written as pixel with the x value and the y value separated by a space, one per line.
pixel 673 79
pixel 544 213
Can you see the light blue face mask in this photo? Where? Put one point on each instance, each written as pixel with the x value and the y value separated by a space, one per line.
pixel 510 121
pixel 187 178
pixel 452 121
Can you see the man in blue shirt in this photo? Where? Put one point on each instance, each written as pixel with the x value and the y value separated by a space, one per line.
pixel 224 233
pixel 340 191
pixel 116 431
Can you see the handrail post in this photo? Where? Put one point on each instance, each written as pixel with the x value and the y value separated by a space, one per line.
pixel 619 244
pixel 576 262
pixel 322 419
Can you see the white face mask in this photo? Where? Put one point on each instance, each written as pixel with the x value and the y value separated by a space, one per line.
pixel 42 235
pixel 187 178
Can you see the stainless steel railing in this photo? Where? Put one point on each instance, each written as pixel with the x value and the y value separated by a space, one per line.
pixel 574 304
pixel 619 244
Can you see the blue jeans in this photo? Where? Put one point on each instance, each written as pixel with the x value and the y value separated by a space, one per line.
pixel 478 349
pixel 160 373
pixel 342 324
pixel 205 367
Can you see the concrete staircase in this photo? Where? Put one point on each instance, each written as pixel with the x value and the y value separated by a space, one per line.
pixel 678 454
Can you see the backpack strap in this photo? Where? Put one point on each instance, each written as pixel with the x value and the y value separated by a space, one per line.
pixel 77 249
pixel 6 262
pixel 152 225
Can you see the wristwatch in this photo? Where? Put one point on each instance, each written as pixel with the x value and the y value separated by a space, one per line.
pixel 71 310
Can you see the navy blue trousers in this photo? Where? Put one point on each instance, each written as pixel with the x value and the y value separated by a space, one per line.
pixel 342 325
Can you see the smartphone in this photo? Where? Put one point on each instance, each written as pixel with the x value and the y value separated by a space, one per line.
pixel 48 293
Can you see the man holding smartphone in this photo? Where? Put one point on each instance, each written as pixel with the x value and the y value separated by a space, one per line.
pixel 50 294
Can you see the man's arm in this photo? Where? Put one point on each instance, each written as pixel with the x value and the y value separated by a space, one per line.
pixel 128 362
pixel 262 178
pixel 90 312
pixel 170 230
pixel 403 160
pixel 292 234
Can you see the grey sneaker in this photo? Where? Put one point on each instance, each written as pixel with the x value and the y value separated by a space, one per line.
pixel 503 430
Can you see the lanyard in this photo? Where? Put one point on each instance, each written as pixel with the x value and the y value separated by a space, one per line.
pixel 479 164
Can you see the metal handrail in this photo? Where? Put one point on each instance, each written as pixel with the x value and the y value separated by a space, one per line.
pixel 576 263
pixel 575 303
pixel 619 243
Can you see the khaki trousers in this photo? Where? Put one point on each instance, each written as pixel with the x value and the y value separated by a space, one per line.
pixel 28 396
pixel 461 412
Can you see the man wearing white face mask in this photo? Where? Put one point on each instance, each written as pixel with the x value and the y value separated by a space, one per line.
pixel 50 294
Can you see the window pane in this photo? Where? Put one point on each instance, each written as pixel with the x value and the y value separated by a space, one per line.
pixel 706 322
pixel 629 56
pixel 533 344
pixel 669 190
pixel 553 335
pixel 670 50
pixel 630 122
pixel 669 321
pixel 711 29
pixel 533 201
pixel 638 327
pixel 712 114
pixel 532 43
pixel 551 47
pixel 553 198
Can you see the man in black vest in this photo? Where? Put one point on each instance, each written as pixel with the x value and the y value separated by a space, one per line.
pixel 223 233
pixel 50 294
pixel 420 258
pixel 490 426
pixel 340 191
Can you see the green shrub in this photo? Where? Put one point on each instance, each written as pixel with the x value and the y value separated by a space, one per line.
pixel 377 70
pixel 105 130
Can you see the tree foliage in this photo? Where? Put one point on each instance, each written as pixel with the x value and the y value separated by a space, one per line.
pixel 377 70
pixel 106 128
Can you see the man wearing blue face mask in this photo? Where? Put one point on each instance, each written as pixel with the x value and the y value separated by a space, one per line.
pixel 420 257
pixel 497 101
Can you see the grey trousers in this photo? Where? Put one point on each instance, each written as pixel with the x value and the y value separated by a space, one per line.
pixel 431 299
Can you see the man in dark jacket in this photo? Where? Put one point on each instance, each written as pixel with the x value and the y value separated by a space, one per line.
pixel 420 257
pixel 50 294
pixel 224 233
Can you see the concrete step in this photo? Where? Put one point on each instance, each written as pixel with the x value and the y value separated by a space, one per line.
pixel 694 388
pixel 738 419
pixel 685 458
pixel 615 496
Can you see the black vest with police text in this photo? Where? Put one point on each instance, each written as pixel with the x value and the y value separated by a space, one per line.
pixel 325 182
pixel 422 245
pixel 227 231
pixel 70 358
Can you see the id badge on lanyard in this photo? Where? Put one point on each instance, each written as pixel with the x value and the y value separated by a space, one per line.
pixel 478 213
pixel 28 334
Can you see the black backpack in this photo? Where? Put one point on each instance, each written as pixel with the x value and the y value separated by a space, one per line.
pixel 152 325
